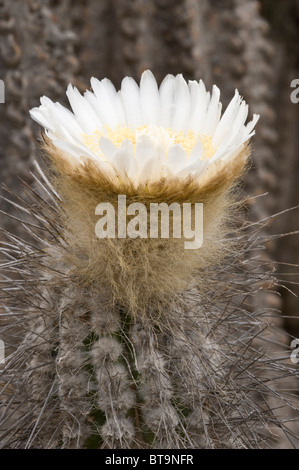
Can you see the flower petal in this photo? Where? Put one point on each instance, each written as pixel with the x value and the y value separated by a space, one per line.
pixel 227 119
pixel 41 118
pixel 151 170
pixel 213 112
pixel 83 111
pixel 194 168
pixel 145 148
pixel 103 102
pixel 195 153
pixel 180 118
pixel 115 100
pixel 107 147
pixel 177 158
pixel 150 99
pixel 166 92
pixel 199 104
pixel 130 97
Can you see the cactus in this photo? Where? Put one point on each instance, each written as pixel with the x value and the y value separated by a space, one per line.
pixel 90 374
pixel 137 343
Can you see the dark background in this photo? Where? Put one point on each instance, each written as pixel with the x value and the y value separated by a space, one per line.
pixel 248 44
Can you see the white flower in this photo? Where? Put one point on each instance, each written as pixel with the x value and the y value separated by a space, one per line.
pixel 147 132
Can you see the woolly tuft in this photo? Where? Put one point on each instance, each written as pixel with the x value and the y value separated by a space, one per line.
pixel 142 275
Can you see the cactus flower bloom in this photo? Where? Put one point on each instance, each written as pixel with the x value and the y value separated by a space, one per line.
pixel 145 132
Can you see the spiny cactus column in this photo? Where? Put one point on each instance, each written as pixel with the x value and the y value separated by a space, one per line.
pixel 137 342
pixel 90 375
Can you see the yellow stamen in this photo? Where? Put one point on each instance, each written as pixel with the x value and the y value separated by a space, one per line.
pixel 164 136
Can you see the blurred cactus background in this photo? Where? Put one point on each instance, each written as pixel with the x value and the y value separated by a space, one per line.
pixel 246 44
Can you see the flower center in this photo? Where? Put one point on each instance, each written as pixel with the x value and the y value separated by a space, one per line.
pixel 159 135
